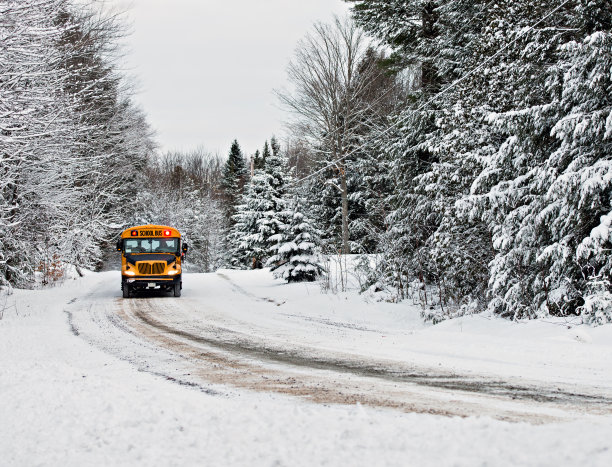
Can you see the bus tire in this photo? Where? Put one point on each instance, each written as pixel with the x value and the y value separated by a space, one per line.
pixel 126 290
pixel 177 289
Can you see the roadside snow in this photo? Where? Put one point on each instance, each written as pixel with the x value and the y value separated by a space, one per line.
pixel 64 402
pixel 552 350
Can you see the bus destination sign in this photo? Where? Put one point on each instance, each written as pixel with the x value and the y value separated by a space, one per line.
pixel 146 233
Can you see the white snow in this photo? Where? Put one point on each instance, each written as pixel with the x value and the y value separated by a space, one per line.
pixel 543 350
pixel 67 402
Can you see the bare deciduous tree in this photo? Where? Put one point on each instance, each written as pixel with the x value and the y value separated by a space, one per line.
pixel 332 81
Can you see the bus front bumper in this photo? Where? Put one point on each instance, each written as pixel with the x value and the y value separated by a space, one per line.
pixel 150 282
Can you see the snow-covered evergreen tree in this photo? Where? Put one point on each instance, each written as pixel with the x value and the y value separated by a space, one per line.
pixel 500 172
pixel 295 255
pixel 257 160
pixel 234 177
pixel 259 216
pixel 576 209
pixel 265 153
pixel 277 177
pixel 275 146
pixel 247 245
pixel 532 192
pixel 232 190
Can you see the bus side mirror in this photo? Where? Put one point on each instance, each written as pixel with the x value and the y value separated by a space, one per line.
pixel 119 245
pixel 185 247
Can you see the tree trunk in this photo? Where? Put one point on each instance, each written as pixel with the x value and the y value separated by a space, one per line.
pixel 429 17
pixel 345 230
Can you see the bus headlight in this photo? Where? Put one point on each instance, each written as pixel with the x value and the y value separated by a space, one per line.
pixel 172 272
pixel 130 273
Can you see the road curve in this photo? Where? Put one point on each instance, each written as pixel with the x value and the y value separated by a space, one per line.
pixel 191 343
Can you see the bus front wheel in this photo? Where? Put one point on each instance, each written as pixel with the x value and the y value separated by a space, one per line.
pixel 177 289
pixel 126 291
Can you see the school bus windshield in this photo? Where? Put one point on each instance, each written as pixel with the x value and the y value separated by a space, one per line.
pixel 151 245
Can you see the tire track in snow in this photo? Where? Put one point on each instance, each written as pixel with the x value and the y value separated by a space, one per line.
pixel 229 357
pixel 235 287
pixel 99 324
pixel 169 338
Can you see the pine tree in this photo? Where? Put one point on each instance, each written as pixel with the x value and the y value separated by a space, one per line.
pixel 259 216
pixel 234 177
pixel 275 146
pixel 438 152
pixel 257 161
pixel 574 220
pixel 265 153
pixel 295 257
pixel 247 245
pixel 277 177
pixel 500 182
pixel 232 187
pixel 533 272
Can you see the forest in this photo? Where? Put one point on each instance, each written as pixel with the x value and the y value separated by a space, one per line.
pixel 461 149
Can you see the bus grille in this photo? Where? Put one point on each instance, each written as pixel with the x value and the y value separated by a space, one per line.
pixel 158 268
pixel 147 269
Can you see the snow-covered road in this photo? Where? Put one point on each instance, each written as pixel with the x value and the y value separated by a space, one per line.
pixel 223 332
pixel 245 370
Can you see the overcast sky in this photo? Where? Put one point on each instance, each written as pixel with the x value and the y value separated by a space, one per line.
pixel 206 69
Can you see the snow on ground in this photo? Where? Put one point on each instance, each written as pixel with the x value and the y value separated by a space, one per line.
pixel 65 402
pixel 556 350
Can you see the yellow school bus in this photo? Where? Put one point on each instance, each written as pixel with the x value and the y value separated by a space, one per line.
pixel 151 257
